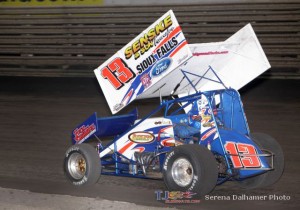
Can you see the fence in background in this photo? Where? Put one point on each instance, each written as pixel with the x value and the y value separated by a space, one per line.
pixel 72 41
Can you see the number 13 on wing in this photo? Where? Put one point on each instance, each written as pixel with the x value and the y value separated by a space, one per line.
pixel 117 73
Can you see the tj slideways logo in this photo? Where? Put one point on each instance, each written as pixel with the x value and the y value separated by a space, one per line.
pixel 175 196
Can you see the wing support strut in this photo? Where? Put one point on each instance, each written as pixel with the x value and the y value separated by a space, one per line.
pixel 186 75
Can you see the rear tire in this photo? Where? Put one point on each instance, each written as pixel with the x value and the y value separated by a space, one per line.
pixel 82 165
pixel 266 142
pixel 190 168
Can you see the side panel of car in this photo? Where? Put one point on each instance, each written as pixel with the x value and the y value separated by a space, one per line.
pixel 244 156
pixel 143 138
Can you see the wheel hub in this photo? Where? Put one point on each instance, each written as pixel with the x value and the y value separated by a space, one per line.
pixel 182 172
pixel 77 165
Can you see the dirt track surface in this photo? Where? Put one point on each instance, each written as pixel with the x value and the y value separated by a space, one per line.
pixel 38 114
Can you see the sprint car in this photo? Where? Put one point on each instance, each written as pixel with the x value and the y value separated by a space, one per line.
pixel 198 136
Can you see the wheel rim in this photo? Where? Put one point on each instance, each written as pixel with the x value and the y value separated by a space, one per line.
pixel 77 165
pixel 182 172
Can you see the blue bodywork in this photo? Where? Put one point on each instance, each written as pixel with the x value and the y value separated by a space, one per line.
pixel 225 130
pixel 104 126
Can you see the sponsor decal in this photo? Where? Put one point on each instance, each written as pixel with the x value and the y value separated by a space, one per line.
pixel 145 41
pixel 167 45
pixel 117 107
pixel 183 58
pixel 161 67
pixel 125 100
pixel 84 132
pixel 72 149
pixel 209 124
pixel 175 196
pixel 210 53
pixel 146 80
pixel 195 180
pixel 145 64
pixel 163 122
pixel 157 55
pixel 82 181
pixel 205 117
pixel 141 137
pixel 168 156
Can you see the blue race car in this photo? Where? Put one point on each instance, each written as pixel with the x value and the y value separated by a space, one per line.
pixel 198 136
pixel 192 150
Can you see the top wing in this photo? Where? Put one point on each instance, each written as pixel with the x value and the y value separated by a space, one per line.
pixel 235 62
pixel 143 62
pixel 153 63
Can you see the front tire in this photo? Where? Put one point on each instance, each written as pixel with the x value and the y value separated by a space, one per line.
pixel 82 165
pixel 190 168
pixel 266 142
